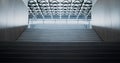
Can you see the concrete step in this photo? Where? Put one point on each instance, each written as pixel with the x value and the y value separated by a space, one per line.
pixel 55 52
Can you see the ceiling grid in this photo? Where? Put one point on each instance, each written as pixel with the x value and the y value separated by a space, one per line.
pixel 59 9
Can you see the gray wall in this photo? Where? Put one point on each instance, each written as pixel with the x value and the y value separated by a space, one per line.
pixel 13 19
pixel 106 19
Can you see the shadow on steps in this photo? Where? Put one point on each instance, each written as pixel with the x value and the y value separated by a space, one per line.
pixel 59 52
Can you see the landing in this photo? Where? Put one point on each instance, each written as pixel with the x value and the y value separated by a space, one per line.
pixel 59 35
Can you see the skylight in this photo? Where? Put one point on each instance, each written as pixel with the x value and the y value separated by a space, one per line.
pixel 59 9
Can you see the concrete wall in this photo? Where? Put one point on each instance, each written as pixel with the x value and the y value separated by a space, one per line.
pixel 13 19
pixel 106 19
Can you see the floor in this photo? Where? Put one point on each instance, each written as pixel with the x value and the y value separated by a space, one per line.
pixel 59 34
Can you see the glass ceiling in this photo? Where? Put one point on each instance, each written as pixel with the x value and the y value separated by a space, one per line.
pixel 59 9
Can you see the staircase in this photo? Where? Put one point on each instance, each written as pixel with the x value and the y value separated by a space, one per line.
pixel 59 52
pixel 59 35
pixel 59 46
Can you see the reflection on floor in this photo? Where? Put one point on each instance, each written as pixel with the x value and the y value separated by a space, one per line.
pixel 59 26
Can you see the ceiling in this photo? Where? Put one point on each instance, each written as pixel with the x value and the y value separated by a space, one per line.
pixel 59 9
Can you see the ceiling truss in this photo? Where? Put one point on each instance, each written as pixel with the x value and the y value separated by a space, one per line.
pixel 59 9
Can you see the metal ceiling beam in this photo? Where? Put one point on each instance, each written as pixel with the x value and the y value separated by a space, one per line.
pixel 81 8
pixel 64 7
pixel 50 9
pixel 70 9
pixel 55 7
pixel 39 9
pixel 60 12
pixel 32 12
pixel 89 12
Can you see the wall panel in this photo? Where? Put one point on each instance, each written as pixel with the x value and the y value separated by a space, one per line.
pixel 13 19
pixel 106 19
